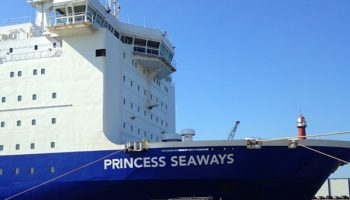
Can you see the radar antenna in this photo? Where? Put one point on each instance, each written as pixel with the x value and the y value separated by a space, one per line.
pixel 233 132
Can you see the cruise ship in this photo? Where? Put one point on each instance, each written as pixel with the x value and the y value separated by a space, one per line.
pixel 87 111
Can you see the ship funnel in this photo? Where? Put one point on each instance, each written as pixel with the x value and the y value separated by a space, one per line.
pixel 188 134
pixel 301 125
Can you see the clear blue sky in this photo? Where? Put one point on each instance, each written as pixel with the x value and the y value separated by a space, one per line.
pixel 259 62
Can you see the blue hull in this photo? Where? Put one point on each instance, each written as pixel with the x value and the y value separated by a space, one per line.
pixel 235 173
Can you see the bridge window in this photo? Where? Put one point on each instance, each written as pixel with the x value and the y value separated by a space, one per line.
pixel 19 73
pixel 31 170
pixel 100 52
pixel 35 47
pixel 0 172
pixel 1 147
pixel 12 74
pixel 52 169
pixel 42 71
pixel 140 42
pixel 18 147
pixel 53 145
pixel 18 122
pixel 33 122
pixel 17 171
pixel 35 72
pixel 3 99
pixel 34 97
pixel 127 39
pixel 54 95
pixel 32 146
pixel 2 124
pixel 19 98
pixel 53 121
pixel 153 44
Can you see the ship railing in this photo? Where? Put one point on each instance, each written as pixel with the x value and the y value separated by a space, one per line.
pixel 31 55
pixel 76 18
pixel 15 21
pixel 149 51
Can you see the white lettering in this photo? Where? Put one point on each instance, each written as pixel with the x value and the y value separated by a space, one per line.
pixel 154 162
pixel 107 163
pixel 147 162
pixel 191 161
pixel 230 159
pixel 116 163
pixel 162 162
pixel 174 162
pixel 222 158
pixel 136 162
pixel 202 160
pixel 215 160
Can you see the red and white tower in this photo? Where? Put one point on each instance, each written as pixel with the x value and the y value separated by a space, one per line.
pixel 301 125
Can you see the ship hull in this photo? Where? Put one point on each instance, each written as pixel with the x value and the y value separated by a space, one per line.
pixel 221 171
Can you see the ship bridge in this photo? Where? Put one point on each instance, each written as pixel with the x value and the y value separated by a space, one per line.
pixel 150 48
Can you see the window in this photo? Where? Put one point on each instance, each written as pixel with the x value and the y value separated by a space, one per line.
pixel 35 72
pixel 19 73
pixel 131 128
pixel 1 147
pixel 33 122
pixel 124 125
pixel 17 171
pixel 31 170
pixel 42 71
pixel 126 39
pixel 19 98
pixel 140 42
pixel 18 122
pixel 18 147
pixel 54 45
pixel 52 169
pixel 124 55
pixel 53 145
pixel 131 83
pixel 53 121
pixel 35 47
pixel 11 50
pixel 144 134
pixel 0 172
pixel 3 99
pixel 124 101
pixel 54 95
pixel 2 124
pixel 12 74
pixel 32 146
pixel 34 97
pixel 100 52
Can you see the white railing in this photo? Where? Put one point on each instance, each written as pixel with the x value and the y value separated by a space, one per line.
pixel 14 21
pixel 71 19
pixel 31 55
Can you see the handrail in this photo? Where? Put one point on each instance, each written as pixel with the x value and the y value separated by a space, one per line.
pixel 15 20
pixel 71 19
pixel 31 55
pixel 152 52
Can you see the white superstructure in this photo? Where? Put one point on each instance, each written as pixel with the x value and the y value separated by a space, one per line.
pixel 82 81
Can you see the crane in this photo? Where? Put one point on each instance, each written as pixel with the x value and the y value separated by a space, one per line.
pixel 233 132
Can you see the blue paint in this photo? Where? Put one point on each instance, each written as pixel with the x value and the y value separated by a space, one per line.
pixel 267 173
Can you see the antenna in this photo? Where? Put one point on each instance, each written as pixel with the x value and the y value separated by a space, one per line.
pixel 113 6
